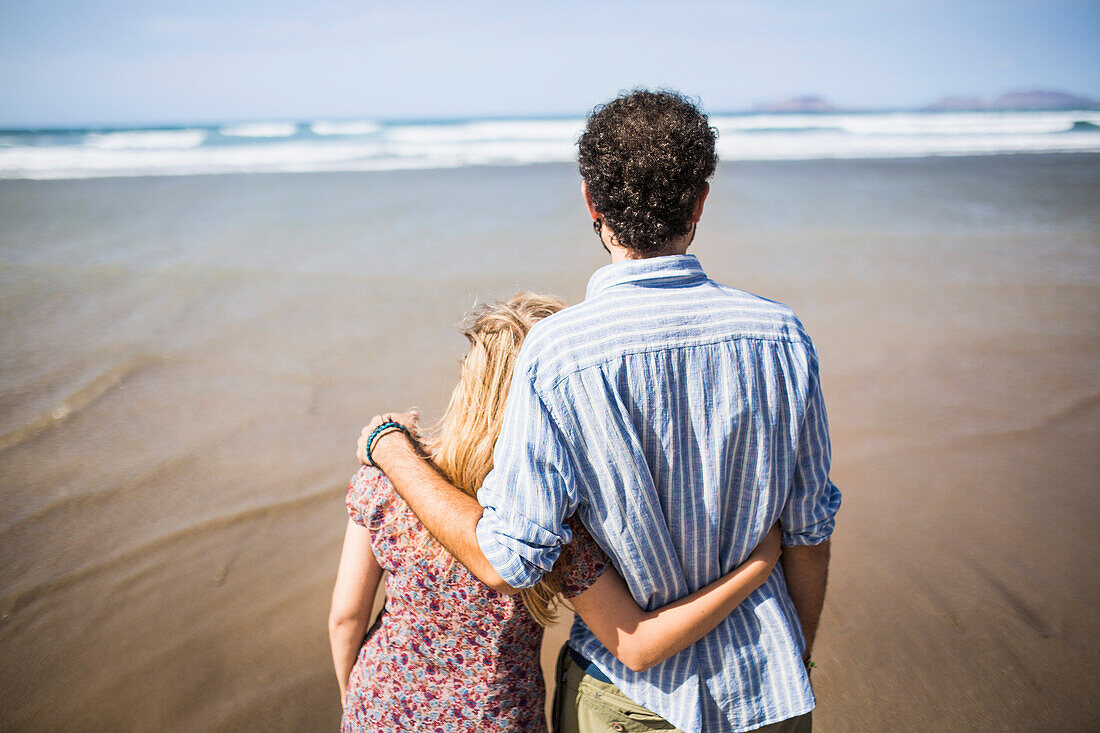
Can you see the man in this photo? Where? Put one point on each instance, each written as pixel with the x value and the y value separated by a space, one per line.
pixel 679 419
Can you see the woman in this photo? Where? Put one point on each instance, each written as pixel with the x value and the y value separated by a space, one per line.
pixel 449 653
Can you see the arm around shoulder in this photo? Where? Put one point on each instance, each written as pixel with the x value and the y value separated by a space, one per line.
pixel 450 515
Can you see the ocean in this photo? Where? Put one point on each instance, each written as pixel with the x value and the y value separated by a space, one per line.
pixel 186 362
pixel 369 145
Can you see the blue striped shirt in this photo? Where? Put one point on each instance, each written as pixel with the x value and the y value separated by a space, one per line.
pixel 680 418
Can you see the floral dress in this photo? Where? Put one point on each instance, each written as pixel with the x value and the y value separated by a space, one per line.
pixel 448 653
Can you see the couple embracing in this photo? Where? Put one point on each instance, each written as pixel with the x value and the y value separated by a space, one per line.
pixel 656 456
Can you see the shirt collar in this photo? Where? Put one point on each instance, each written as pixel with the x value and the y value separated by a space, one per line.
pixel 677 268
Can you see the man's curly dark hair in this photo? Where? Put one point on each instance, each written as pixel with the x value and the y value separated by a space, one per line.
pixel 645 158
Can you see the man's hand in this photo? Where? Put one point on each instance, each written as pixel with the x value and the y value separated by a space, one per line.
pixel 771 547
pixel 410 419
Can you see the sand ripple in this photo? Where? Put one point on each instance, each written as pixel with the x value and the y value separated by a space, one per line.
pixel 78 400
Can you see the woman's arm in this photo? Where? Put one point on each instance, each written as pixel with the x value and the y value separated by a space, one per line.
pixel 641 639
pixel 352 598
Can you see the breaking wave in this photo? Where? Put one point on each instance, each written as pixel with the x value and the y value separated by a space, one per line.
pixel 365 145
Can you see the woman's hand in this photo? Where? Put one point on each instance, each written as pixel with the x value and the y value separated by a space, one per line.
pixel 771 547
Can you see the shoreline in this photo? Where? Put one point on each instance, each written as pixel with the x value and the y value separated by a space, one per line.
pixel 178 531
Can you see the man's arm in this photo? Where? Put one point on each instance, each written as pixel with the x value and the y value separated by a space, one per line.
pixel 448 514
pixel 807 570
pixel 809 515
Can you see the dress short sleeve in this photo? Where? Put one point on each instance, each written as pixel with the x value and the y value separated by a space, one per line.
pixel 369 497
pixel 583 562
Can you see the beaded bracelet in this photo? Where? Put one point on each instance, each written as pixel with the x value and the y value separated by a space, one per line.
pixel 377 433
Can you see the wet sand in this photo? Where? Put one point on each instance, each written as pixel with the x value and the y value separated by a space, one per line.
pixel 185 365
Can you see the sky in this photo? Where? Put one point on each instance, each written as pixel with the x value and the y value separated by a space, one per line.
pixel 117 62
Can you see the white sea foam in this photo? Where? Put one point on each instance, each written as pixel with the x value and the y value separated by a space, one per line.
pixel 824 145
pixel 146 139
pixel 260 129
pixel 84 162
pixel 362 127
pixel 346 146
pixel 566 131
pixel 911 123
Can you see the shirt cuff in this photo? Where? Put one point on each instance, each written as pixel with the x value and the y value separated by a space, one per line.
pixel 820 531
pixel 521 563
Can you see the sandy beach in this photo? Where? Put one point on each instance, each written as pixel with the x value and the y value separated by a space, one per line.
pixel 186 362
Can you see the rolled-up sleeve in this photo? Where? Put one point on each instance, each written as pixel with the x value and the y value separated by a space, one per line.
pixel 809 516
pixel 529 492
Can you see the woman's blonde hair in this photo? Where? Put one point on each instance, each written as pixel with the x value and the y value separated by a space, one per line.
pixel 464 438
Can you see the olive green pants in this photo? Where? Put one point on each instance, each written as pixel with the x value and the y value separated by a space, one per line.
pixel 584 704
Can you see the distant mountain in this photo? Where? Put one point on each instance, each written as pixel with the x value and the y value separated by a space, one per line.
pixel 1033 100
pixel 798 104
